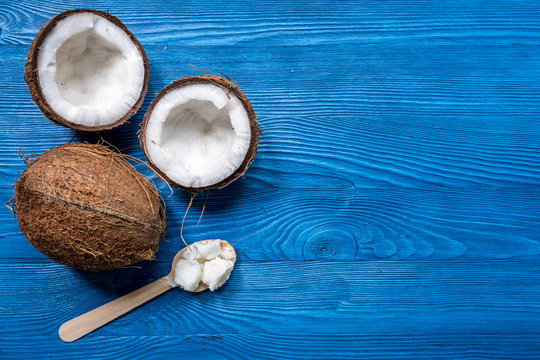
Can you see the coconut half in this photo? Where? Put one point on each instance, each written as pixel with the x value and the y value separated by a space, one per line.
pixel 200 133
pixel 86 71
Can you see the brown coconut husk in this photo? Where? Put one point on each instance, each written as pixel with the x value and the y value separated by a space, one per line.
pixel 84 206
pixel 32 78
pixel 230 88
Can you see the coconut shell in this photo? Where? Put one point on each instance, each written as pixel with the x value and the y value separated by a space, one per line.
pixel 85 206
pixel 229 88
pixel 31 75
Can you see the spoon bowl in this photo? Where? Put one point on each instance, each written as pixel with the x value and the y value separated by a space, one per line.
pixel 179 255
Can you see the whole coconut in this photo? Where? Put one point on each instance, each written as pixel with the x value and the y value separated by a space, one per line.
pixel 85 206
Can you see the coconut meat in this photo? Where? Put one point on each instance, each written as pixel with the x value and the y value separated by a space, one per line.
pixel 204 261
pixel 187 274
pixel 90 71
pixel 198 135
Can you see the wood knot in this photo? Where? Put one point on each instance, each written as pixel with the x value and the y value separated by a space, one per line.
pixel 330 243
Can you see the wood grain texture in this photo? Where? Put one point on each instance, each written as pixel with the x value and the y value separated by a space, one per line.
pixel 339 309
pixel 453 116
pixel 84 324
pixel 392 210
pixel 344 225
pixel 296 23
pixel 292 346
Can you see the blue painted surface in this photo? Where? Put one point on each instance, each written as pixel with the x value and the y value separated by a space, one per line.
pixel 392 210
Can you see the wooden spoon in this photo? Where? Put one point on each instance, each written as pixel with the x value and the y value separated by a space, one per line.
pixel 86 323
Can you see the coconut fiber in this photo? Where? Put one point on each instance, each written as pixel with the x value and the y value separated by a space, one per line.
pixel 85 206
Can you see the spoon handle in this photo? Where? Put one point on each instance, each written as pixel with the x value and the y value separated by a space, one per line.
pixel 86 323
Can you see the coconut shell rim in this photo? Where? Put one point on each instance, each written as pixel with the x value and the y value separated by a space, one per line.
pixel 229 87
pixel 31 75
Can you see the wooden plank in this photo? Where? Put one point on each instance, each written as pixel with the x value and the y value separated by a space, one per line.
pixel 290 297
pixel 350 224
pixel 458 123
pixel 357 306
pixel 392 209
pixel 296 22
pixel 286 346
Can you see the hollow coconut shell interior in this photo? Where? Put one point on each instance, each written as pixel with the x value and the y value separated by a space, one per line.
pixel 230 90
pixel 31 74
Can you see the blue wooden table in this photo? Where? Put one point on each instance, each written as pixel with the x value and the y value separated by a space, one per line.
pixel 392 211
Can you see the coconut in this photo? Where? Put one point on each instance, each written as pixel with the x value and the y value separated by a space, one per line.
pixel 86 71
pixel 200 133
pixel 85 206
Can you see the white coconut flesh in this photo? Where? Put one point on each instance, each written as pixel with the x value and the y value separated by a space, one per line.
pixel 198 135
pixel 90 71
